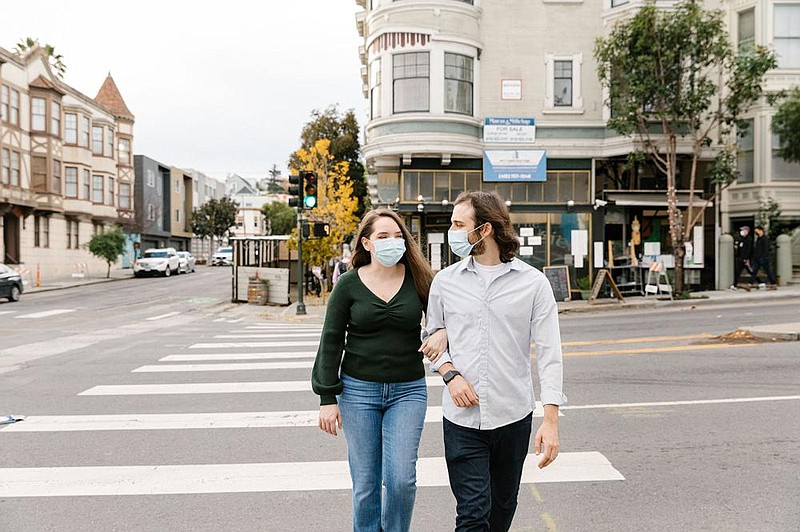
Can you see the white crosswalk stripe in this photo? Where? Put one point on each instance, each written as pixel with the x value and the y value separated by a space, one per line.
pixel 159 478
pixel 44 314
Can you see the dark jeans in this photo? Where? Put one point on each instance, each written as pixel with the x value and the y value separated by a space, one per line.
pixel 739 265
pixel 758 264
pixel 485 469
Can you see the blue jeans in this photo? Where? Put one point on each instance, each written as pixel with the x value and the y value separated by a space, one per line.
pixel 485 469
pixel 383 425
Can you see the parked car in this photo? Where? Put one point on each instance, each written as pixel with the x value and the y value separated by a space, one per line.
pixel 157 262
pixel 186 262
pixel 10 283
pixel 223 256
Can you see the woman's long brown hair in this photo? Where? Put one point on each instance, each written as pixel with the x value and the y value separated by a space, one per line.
pixel 412 258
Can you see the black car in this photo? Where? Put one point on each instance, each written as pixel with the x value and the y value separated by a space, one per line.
pixel 10 283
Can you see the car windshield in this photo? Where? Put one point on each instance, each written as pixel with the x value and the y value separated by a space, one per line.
pixel 225 250
pixel 183 254
pixel 155 254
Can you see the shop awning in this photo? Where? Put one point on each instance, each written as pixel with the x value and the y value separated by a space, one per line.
pixel 657 199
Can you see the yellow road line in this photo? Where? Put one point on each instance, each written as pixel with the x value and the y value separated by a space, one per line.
pixel 549 522
pixel 638 340
pixel 535 492
pixel 648 350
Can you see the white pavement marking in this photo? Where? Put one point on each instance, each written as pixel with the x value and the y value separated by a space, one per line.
pixel 7 312
pixel 281 327
pixel 683 403
pixel 247 366
pixel 45 314
pixel 245 345
pixel 162 316
pixel 288 331
pixel 286 334
pixel 238 356
pixel 213 420
pixel 265 477
pixel 212 387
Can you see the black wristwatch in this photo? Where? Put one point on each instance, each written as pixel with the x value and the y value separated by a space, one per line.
pixel 450 375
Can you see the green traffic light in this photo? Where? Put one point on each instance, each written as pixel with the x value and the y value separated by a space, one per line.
pixel 310 202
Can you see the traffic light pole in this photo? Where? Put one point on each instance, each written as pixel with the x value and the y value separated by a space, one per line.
pixel 301 307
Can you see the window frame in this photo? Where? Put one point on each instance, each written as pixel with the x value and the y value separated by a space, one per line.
pixel 751 41
pixel 97 142
pixel 124 198
pixel 42 116
pixel 741 153
pixel 108 147
pixel 86 132
pixel 68 138
pixel 124 156
pixel 68 184
pixel 97 191
pixel 86 186
pixel 403 78
pixel 375 99
pixel 776 38
pixel 111 184
pixel 55 182
pixel 5 164
pixel 5 103
pixel 469 83
pixel 557 77
pixel 55 118
pixel 550 106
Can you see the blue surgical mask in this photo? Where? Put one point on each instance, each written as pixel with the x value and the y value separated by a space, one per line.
pixel 389 251
pixel 459 241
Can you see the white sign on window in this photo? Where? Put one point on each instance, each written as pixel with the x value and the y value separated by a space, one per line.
pixel 511 89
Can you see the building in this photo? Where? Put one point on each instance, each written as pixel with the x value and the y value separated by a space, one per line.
pixel 181 198
pixel 504 96
pixel 67 171
pixel 154 201
pixel 204 188
pixel 250 219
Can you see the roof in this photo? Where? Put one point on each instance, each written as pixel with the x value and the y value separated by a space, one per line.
pixel 109 97
pixel 43 83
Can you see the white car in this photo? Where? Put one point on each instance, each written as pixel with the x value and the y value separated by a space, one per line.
pixel 157 262
pixel 223 256
pixel 186 262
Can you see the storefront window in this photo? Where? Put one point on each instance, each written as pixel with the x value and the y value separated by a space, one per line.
pixel 570 243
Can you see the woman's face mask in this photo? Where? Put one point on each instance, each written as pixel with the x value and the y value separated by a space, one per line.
pixel 459 241
pixel 388 251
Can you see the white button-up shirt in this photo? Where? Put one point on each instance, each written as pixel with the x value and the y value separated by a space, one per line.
pixel 489 331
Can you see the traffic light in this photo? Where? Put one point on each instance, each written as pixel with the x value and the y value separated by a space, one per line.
pixel 296 191
pixel 309 196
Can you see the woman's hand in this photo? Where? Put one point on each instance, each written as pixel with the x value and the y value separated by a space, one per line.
pixel 434 345
pixel 330 418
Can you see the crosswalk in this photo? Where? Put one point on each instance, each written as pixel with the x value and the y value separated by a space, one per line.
pixel 277 351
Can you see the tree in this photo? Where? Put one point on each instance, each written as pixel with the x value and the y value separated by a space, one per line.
pixel 108 246
pixel 273 186
pixel 214 218
pixel 786 124
pixel 56 60
pixel 201 226
pixel 281 218
pixel 676 84
pixel 337 203
pixel 341 129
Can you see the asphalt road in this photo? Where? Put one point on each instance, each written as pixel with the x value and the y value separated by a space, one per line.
pixel 666 427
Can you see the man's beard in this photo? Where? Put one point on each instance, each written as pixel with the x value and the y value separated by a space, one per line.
pixel 480 248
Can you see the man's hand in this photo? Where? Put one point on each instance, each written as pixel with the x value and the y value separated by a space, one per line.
pixel 547 437
pixel 434 345
pixel 329 418
pixel 462 393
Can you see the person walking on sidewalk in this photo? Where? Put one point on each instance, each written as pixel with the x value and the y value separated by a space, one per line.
pixel 744 255
pixel 493 306
pixel 369 357
pixel 761 259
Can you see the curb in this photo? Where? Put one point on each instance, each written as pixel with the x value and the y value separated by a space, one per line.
pixel 39 290
pixel 780 333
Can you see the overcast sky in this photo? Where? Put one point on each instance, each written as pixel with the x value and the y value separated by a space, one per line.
pixel 220 86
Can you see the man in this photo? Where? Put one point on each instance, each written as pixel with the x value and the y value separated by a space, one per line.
pixel 761 258
pixel 492 305
pixel 744 253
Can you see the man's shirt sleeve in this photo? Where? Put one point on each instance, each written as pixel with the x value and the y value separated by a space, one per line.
pixel 546 335
pixel 434 320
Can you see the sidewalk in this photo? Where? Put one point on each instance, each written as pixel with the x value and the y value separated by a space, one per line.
pixel 117 274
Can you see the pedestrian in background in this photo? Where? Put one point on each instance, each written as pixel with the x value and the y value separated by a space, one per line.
pixel 369 357
pixel 761 259
pixel 743 257
pixel 494 306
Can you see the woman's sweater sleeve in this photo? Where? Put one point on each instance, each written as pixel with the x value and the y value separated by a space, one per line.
pixel 325 380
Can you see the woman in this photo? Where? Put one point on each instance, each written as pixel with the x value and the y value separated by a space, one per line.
pixel 373 317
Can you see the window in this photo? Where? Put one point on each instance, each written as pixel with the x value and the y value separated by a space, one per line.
pixel 97 140
pixel 87 185
pixel 6 172
pixel 73 228
pixel 177 185
pixel 411 75
pixel 124 196
pixel 55 118
pixel 57 177
pixel 36 231
pixel 746 34
pixel 787 35
pixel 14 107
pixel 15 157
pixel 41 231
pixel 125 151
pixel 109 149
pixel 151 212
pixel 5 103
pixel 70 128
pixel 458 78
pixel 110 192
pixel 69 233
pixel 45 232
pixel 38 114
pixel 85 130
pixel 71 181
pixel 745 157
pixel 615 3
pixel 151 178
pixel 177 215
pixel 98 228
pixel 97 189
pixel 562 83
pixel 375 88
pixel 782 170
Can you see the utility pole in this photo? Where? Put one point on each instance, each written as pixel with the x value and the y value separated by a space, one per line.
pixel 301 281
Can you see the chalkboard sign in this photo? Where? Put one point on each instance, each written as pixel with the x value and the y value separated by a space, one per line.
pixel 559 280
pixel 602 278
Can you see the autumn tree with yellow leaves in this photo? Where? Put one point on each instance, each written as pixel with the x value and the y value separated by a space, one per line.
pixel 337 204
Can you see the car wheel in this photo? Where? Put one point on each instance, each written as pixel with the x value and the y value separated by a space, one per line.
pixel 167 271
pixel 14 295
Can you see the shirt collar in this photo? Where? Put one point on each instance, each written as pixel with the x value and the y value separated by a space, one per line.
pixel 468 263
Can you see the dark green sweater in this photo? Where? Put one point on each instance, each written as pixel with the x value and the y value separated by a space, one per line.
pixel 380 340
